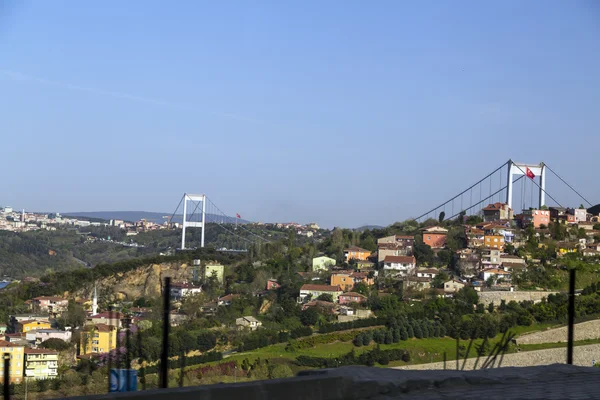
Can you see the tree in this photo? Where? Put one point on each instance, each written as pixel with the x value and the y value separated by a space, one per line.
pixel 361 288
pixel 309 317
pixel 325 297
pixel 440 278
pixel 442 217
pixel 418 331
pixel 410 331
pixel 491 307
pixel 403 334
pixel 55 344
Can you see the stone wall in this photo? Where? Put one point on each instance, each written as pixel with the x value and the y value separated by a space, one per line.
pixel 582 356
pixel 583 331
pixel 496 297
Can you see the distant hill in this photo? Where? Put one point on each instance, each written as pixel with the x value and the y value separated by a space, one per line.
pixel 133 216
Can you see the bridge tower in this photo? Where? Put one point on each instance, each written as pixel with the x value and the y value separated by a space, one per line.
pixel 522 169
pixel 195 199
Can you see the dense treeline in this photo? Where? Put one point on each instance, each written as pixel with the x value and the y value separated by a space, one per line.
pixel 368 358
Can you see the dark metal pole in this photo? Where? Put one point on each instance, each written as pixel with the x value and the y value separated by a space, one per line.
pixel 128 354
pixel 164 358
pixel 141 360
pixel 6 386
pixel 457 355
pixel 108 356
pixel 571 316
pixel 444 360
pixel 181 368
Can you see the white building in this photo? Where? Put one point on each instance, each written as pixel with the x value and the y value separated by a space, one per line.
pixel 248 322
pixel 495 273
pixel 453 286
pixel 181 290
pixel 41 335
pixel 400 265
pixel 427 273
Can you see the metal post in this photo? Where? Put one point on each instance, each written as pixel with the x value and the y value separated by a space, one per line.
pixel 183 222
pixel 128 354
pixel 181 368
pixel 203 219
pixel 6 386
pixel 542 185
pixel 509 184
pixel 571 316
pixel 457 355
pixel 108 356
pixel 164 357
pixel 444 361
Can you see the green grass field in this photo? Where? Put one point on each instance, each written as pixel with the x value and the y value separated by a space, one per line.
pixel 421 350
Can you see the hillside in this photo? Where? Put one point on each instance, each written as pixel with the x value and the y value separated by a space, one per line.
pixel 41 252
pixel 133 216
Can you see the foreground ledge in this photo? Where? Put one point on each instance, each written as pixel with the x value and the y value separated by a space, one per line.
pixel 558 381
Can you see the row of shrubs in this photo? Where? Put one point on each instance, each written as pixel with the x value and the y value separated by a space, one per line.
pixel 400 331
pixel 310 342
pixel 264 337
pixel 359 323
pixel 204 358
pixel 368 358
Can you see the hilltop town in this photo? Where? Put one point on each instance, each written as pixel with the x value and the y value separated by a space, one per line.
pixel 496 262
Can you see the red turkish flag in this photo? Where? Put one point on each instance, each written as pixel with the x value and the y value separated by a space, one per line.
pixel 530 173
pixel 238 215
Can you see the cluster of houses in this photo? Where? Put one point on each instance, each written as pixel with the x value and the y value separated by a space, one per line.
pixel 482 264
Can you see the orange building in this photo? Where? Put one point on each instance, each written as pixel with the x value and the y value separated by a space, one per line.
pixel 435 237
pixel 356 253
pixel 494 241
pixel 535 217
pixel 347 279
pixel 343 280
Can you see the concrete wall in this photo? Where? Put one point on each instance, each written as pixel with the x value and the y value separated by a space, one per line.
pixel 583 331
pixel 582 356
pixel 497 296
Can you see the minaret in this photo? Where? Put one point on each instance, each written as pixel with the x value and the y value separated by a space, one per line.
pixel 23 216
pixel 95 302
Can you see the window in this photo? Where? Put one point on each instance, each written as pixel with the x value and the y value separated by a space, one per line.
pixel 428 237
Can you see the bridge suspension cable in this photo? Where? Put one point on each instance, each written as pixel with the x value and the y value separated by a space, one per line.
pixel 433 210
pixel 570 187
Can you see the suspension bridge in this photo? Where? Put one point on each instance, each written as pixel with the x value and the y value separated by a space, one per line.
pixel 515 184
pixel 204 213
pixel 525 183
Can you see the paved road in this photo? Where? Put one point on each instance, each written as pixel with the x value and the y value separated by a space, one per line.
pixel 582 355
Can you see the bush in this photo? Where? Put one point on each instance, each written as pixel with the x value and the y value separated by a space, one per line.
pixel 301 332
pixel 359 323
pixel 384 359
pixel 367 358
pixel 55 344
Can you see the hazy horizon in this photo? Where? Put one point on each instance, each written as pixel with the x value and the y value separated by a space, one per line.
pixel 341 113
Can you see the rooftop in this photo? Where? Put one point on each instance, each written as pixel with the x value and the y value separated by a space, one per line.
pixel 320 288
pixel 400 259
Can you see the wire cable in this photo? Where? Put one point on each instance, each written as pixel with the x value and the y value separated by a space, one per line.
pixel 570 187
pixel 543 190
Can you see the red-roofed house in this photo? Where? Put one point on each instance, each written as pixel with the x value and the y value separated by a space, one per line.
pixel 351 297
pixel 496 211
pixel 49 304
pixel 400 265
pixel 435 237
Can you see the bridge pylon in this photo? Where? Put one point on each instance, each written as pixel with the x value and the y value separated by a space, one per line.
pixel 524 169
pixel 196 199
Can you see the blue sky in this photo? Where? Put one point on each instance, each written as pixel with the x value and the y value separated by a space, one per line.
pixel 340 112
